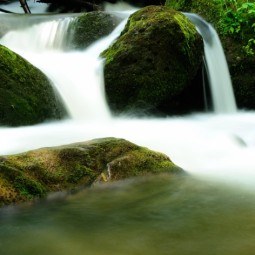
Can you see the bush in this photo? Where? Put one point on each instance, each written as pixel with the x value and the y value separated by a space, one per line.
pixel 238 20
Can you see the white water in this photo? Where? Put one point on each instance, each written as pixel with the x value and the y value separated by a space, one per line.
pixel 207 145
pixel 39 37
pixel 219 77
pixel 77 76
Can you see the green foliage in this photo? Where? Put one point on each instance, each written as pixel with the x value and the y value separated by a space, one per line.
pixel 249 48
pixel 238 20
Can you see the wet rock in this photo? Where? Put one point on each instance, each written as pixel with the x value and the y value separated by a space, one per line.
pixel 35 173
pixel 90 27
pixel 26 96
pixel 152 64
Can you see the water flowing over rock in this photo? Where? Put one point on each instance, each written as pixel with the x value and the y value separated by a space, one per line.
pixel 26 96
pixel 35 173
pixel 241 65
pixel 152 64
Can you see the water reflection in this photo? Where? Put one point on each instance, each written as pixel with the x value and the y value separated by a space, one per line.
pixel 163 215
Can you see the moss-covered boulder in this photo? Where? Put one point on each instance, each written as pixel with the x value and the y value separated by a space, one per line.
pixel 26 96
pixel 90 27
pixel 35 173
pixel 152 64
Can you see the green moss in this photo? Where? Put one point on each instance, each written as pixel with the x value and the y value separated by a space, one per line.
pixel 28 187
pixel 23 92
pixel 32 174
pixel 157 56
pixel 189 32
pixel 79 172
pixel 24 185
pixel 90 27
pixel 8 193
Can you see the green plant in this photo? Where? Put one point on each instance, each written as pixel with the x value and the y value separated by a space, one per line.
pixel 249 48
pixel 238 20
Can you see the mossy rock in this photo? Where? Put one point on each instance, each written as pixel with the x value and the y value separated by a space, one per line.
pixel 151 65
pixel 26 95
pixel 90 27
pixel 35 173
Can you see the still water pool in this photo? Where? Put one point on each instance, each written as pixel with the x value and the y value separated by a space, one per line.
pixel 157 215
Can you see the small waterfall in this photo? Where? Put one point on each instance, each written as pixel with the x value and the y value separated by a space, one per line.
pixel 77 76
pixel 219 78
pixel 39 37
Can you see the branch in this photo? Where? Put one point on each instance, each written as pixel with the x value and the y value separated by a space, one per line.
pixel 5 11
pixel 25 6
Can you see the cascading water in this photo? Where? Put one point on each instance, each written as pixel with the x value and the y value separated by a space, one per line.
pixel 39 37
pixel 219 77
pixel 152 216
pixel 200 144
pixel 77 76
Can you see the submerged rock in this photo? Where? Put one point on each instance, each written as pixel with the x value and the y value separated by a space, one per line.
pixel 26 96
pixel 152 64
pixel 90 27
pixel 35 173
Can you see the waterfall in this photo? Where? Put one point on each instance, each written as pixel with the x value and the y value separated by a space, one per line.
pixel 155 215
pixel 44 36
pixel 77 76
pixel 219 78
pixel 205 144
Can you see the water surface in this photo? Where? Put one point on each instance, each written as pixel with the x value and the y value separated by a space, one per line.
pixel 158 215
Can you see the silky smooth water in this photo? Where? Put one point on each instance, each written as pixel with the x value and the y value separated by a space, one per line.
pixel 217 69
pixel 163 215
pixel 213 145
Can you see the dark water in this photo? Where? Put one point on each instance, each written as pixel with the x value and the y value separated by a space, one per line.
pixel 163 215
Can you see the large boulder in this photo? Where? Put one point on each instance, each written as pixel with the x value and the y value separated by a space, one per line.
pixel 152 64
pixel 91 26
pixel 26 95
pixel 35 173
